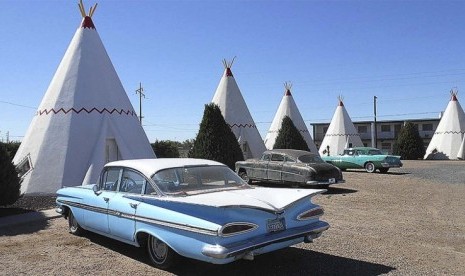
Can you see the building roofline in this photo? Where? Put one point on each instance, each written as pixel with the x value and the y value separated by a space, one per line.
pixel 384 121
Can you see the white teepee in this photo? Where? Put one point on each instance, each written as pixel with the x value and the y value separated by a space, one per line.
pixel 236 114
pixel 288 107
pixel 85 119
pixel 449 137
pixel 341 133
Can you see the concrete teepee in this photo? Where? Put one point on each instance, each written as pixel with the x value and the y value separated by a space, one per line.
pixel 449 138
pixel 85 119
pixel 288 107
pixel 236 114
pixel 341 133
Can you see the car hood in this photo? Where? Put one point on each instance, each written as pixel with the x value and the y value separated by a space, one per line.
pixel 260 198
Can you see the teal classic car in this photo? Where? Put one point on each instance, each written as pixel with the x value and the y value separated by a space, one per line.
pixel 370 159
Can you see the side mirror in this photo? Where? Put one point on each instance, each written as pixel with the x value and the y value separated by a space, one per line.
pixel 96 189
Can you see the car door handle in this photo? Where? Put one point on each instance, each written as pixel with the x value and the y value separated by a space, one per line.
pixel 133 205
pixel 106 199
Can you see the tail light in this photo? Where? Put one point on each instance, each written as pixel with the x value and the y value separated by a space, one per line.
pixel 311 214
pixel 237 228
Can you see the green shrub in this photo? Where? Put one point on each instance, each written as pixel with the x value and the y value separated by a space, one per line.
pixel 9 181
pixel 289 137
pixel 215 140
pixel 409 144
pixel 166 149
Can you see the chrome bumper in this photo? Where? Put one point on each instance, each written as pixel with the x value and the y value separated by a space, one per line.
pixel 240 249
pixel 387 165
pixel 324 182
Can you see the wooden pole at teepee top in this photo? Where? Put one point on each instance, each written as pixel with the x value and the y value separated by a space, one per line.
pixel 83 10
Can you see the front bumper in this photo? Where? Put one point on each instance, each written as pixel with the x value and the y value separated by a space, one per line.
pixel 307 233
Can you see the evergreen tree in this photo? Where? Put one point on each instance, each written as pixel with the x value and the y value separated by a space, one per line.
pixel 289 137
pixel 215 140
pixel 11 148
pixel 9 180
pixel 409 144
pixel 166 149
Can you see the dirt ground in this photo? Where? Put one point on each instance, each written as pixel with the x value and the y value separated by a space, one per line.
pixel 410 221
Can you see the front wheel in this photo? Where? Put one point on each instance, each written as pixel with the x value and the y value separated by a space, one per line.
pixel 74 227
pixel 161 255
pixel 245 177
pixel 370 167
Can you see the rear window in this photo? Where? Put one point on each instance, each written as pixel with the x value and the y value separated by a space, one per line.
pixel 186 181
pixel 310 159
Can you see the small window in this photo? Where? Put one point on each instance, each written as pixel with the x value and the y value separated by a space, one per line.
pixel 266 157
pixel 110 179
pixel 385 128
pixel 132 182
pixel 362 129
pixel 24 167
pixel 386 146
pixel 277 157
pixel 427 127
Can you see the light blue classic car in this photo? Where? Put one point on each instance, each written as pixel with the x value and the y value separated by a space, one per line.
pixel 194 208
pixel 370 159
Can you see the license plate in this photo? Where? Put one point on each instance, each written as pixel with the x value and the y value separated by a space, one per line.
pixel 332 180
pixel 275 225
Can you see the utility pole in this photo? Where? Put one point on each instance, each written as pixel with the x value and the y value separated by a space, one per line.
pixel 7 136
pixel 140 91
pixel 375 133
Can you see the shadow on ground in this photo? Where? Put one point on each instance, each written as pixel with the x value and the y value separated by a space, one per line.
pixel 387 173
pixel 25 228
pixel 289 261
pixel 338 191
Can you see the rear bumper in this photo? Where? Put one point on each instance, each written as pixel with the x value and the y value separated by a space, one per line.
pixel 237 250
pixel 387 165
pixel 328 182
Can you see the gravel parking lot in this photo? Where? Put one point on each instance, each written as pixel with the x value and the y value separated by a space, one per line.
pixel 410 221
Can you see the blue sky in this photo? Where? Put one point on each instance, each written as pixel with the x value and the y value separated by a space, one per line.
pixel 407 53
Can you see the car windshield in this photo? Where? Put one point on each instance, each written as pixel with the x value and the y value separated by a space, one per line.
pixel 184 181
pixel 310 158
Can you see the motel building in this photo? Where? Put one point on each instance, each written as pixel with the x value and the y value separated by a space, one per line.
pixel 387 132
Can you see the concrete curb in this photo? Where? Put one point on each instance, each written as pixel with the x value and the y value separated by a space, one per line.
pixel 28 217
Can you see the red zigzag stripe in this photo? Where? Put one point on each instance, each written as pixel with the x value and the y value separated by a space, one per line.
pixel 101 111
pixel 242 125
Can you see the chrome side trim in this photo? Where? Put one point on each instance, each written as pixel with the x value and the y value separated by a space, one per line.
pixel 174 225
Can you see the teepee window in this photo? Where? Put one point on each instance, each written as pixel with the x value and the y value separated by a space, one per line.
pixel 24 166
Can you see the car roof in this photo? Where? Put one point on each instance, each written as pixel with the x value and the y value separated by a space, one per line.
pixel 290 152
pixel 151 166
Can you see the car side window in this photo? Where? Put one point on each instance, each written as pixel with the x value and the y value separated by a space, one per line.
pixel 132 182
pixel 266 157
pixel 110 179
pixel 289 159
pixel 149 190
pixel 277 157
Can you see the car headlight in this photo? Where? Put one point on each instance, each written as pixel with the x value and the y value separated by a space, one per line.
pixel 236 228
pixel 311 214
